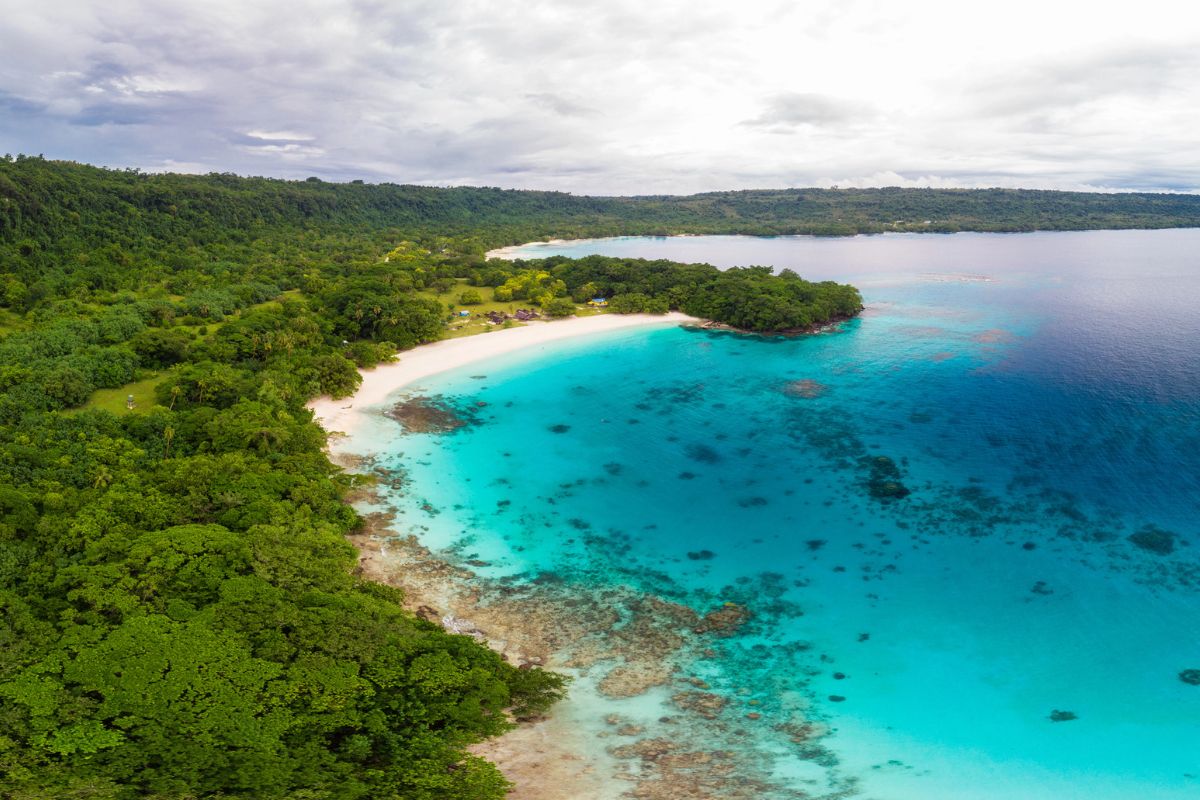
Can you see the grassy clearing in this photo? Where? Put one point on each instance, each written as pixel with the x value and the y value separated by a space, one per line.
pixel 477 322
pixel 143 389
pixel 114 399
pixel 11 323
pixel 201 331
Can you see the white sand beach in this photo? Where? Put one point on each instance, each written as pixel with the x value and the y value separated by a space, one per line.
pixel 514 250
pixel 342 415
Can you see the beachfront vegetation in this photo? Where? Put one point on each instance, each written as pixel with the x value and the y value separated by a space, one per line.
pixel 749 298
pixel 179 610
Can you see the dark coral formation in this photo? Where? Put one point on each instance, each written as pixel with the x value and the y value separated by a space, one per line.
pixel 883 479
pixel 753 502
pixel 432 414
pixel 702 453
pixel 1155 540
pixel 1190 677
pixel 669 397
pixel 1062 716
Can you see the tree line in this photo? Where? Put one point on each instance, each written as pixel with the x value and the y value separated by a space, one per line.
pixel 749 298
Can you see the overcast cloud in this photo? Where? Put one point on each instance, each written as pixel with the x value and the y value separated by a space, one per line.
pixel 614 96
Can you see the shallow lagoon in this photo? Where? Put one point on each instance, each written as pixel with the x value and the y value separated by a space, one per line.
pixel 1038 394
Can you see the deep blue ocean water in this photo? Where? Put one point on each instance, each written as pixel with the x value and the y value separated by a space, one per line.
pixel 1038 394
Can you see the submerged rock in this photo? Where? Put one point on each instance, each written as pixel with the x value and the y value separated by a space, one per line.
pixel 1190 677
pixel 633 680
pixel 888 490
pixel 646 749
pixel 1155 540
pixel 702 453
pixel 429 614
pixel 1062 716
pixel 706 704
pixel 883 479
pixel 724 621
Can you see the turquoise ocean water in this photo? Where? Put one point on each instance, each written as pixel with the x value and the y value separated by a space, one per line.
pixel 1038 394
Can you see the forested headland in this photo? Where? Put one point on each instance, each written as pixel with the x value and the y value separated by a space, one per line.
pixel 179 610
pixel 214 207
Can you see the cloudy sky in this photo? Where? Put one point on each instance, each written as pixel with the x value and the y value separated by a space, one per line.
pixel 614 96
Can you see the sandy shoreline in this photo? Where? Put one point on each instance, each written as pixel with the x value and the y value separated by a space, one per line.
pixel 513 250
pixel 342 416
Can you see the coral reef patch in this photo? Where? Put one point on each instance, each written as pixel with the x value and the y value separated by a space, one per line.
pixel 1154 540
pixel 437 414
pixel 806 389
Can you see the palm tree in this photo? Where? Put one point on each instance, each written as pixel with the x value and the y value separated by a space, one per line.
pixel 168 435
pixel 265 437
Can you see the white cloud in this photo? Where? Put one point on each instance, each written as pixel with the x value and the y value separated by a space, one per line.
pixel 280 136
pixel 618 97
pixel 789 110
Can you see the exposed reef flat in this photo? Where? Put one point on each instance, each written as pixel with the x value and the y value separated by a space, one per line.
pixel 625 649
